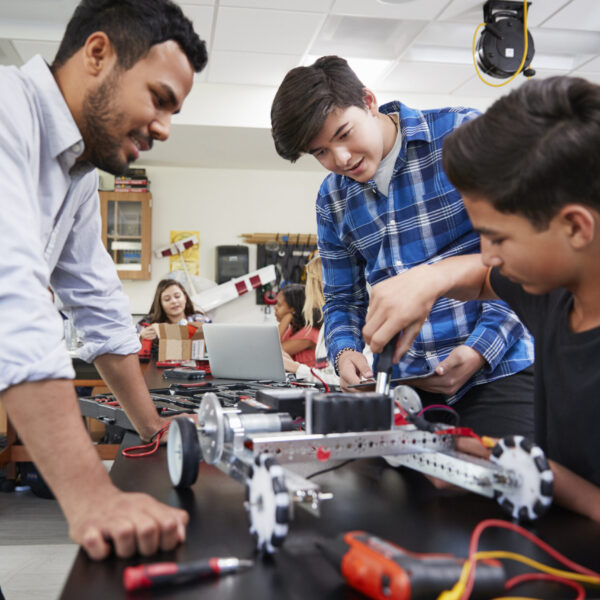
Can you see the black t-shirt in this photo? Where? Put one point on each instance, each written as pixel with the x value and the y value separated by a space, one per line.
pixel 567 377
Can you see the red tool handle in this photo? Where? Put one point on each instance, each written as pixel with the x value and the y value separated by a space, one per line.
pixel 145 576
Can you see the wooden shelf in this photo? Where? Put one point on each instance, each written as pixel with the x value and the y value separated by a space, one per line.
pixel 296 239
pixel 120 237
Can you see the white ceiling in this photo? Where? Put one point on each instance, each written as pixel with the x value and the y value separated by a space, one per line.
pixel 418 51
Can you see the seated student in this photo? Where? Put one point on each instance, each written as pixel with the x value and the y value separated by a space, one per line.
pixel 297 339
pixel 385 208
pixel 171 304
pixel 313 313
pixel 528 171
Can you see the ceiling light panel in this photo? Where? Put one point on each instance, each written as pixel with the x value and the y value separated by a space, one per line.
pixel 475 87
pixel 369 71
pixel 32 30
pixel 471 11
pixel 579 15
pixel 8 54
pixel 265 31
pixel 438 54
pixel 365 38
pixel 425 77
pixel 593 77
pixel 463 11
pixel 568 42
pixel 196 2
pixel 413 9
pixel 27 49
pixel 592 66
pixel 451 35
pixel 250 68
pixel 58 11
pixel 201 17
pixel 295 5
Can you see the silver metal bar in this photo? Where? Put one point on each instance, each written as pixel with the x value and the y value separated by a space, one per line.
pixel 296 446
pixel 469 472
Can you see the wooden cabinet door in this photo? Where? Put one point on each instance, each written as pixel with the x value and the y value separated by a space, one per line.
pixel 127 230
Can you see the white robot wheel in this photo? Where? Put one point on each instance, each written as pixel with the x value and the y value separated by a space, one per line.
pixel 183 452
pixel 533 496
pixel 267 503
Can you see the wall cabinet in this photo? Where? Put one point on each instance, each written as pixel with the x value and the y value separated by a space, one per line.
pixel 127 230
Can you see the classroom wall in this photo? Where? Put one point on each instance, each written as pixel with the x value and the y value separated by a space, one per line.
pixel 221 204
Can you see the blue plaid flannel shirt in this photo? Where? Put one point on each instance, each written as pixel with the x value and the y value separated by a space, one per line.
pixel 365 237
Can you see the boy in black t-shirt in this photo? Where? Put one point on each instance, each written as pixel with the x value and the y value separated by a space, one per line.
pixel 529 173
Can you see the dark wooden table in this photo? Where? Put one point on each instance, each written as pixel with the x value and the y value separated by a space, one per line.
pixel 397 505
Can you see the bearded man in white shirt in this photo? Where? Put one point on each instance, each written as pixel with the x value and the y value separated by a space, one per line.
pixel 122 69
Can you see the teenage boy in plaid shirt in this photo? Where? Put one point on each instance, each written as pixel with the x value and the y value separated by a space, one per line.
pixel 387 207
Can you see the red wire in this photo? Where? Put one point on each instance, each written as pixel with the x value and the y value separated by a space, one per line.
pixel 461 432
pixel 443 407
pixel 548 577
pixel 146 449
pixel 317 377
pixel 573 566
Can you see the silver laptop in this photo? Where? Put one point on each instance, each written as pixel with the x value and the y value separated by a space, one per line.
pixel 241 351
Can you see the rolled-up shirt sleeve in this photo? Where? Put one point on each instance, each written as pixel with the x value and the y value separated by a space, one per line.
pixel 50 224
pixel 86 281
pixel 31 330
pixel 496 331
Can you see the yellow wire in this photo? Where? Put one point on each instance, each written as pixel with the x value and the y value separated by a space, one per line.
pixel 488 442
pixel 456 592
pixel 524 51
pixel 589 579
pixel 459 587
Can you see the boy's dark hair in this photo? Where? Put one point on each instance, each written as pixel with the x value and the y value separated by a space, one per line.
pixel 533 151
pixel 157 313
pixel 133 27
pixel 306 97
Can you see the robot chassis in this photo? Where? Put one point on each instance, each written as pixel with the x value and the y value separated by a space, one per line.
pixel 250 447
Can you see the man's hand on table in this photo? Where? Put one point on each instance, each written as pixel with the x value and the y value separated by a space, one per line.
pixel 128 522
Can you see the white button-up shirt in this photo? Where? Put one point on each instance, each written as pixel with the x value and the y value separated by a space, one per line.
pixel 50 236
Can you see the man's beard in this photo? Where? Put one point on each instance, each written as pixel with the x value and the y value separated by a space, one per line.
pixel 100 122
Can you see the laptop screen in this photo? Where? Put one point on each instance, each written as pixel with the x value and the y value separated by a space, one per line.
pixel 244 351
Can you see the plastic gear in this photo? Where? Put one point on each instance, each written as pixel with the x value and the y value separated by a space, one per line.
pixel 268 504
pixel 533 497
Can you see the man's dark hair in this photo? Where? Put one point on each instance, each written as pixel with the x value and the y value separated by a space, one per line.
pixel 133 27
pixel 306 97
pixel 534 150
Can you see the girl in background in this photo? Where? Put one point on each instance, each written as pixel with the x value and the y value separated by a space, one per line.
pixel 313 313
pixel 298 340
pixel 171 304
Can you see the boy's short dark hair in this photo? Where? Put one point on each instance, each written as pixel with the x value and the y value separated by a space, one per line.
pixel 133 27
pixel 533 151
pixel 306 97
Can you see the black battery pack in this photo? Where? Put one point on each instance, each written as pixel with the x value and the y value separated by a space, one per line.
pixel 284 400
pixel 342 413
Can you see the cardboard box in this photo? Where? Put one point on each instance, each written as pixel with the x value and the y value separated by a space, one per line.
pixel 175 343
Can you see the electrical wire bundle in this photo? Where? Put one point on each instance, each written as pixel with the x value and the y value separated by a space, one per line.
pixel 573 578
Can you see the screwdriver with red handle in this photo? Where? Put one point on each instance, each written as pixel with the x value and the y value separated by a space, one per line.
pixel 145 576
